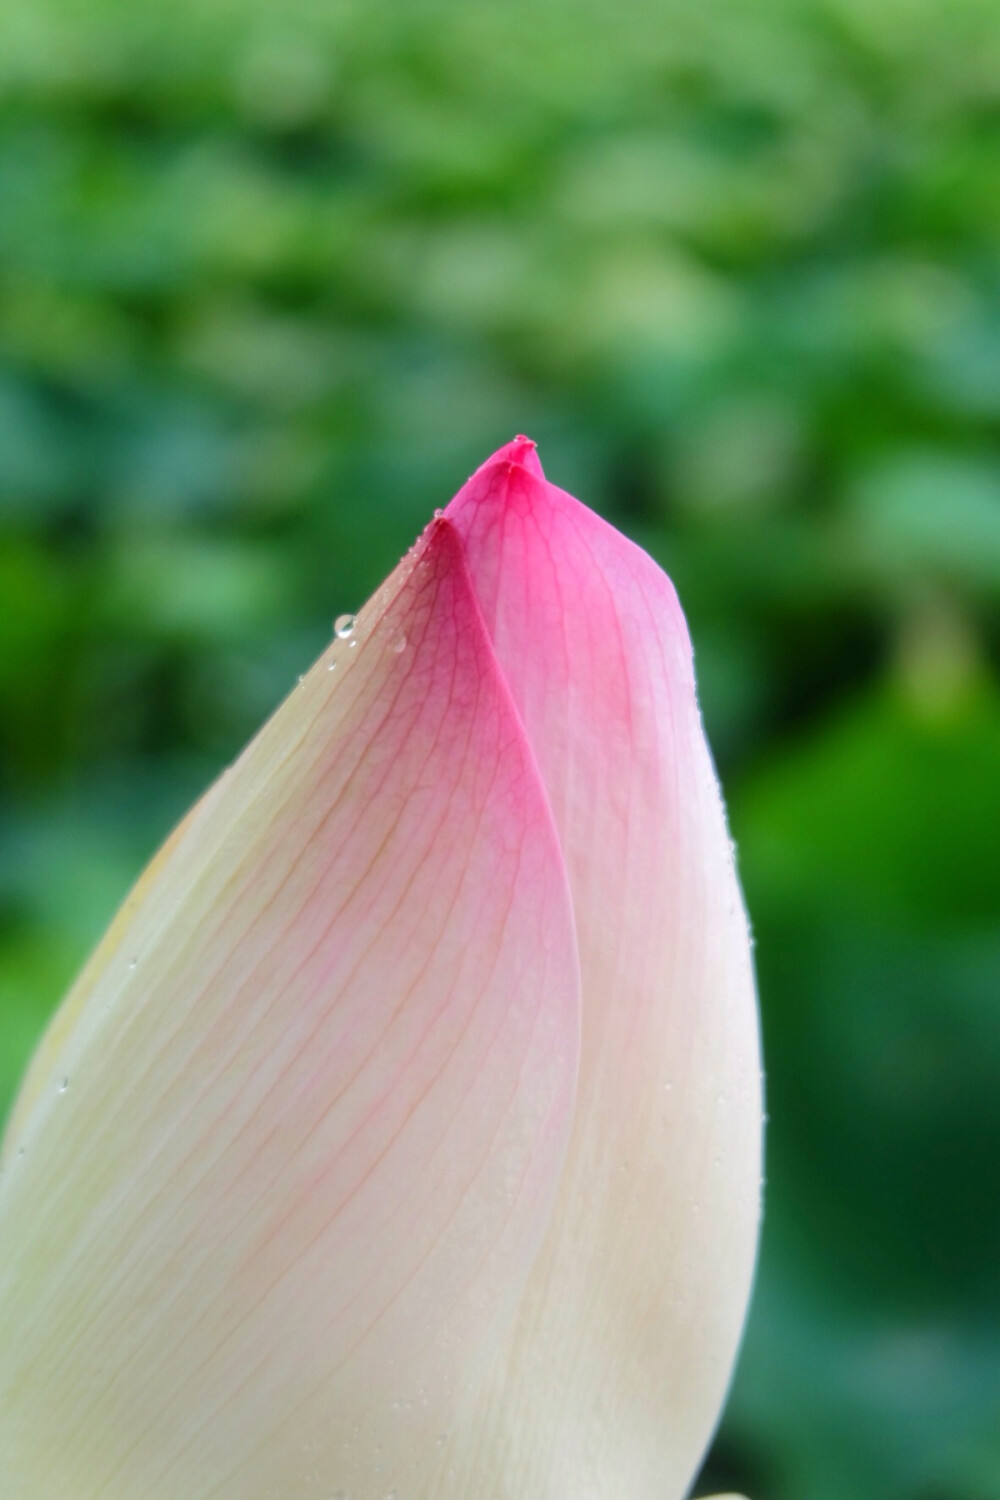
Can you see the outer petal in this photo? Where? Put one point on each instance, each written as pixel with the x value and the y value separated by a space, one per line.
pixel 612 1380
pixel 287 1166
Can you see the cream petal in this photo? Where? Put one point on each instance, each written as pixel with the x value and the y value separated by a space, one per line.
pixel 612 1379
pixel 278 1178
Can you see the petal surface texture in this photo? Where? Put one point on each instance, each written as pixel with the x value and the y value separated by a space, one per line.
pixel 613 1377
pixel 276 1184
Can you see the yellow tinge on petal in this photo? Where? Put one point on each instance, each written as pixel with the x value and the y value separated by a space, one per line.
pixel 45 1062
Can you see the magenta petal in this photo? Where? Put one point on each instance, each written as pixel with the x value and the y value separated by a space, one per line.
pixel 320 1087
pixel 614 1376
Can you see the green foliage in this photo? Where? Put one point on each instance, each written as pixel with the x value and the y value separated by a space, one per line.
pixel 274 277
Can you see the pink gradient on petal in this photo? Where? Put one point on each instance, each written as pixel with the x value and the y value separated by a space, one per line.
pixel 613 1380
pixel 315 1153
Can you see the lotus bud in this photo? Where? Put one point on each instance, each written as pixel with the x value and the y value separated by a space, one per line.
pixel 401 1140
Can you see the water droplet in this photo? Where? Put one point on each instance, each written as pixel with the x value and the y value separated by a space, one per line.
pixel 441 1439
pixel 331 666
pixel 399 644
pixel 64 1086
pixel 132 962
pixel 343 627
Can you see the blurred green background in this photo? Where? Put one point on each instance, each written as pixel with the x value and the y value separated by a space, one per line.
pixel 275 276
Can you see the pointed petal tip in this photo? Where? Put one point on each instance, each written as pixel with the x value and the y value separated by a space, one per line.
pixel 437 549
pixel 521 452
pixel 524 451
pixel 512 475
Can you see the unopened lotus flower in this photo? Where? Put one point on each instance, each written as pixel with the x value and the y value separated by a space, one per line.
pixel 402 1137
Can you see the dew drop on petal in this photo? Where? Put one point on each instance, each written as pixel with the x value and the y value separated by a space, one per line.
pixel 64 1085
pixel 343 627
pixel 399 644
